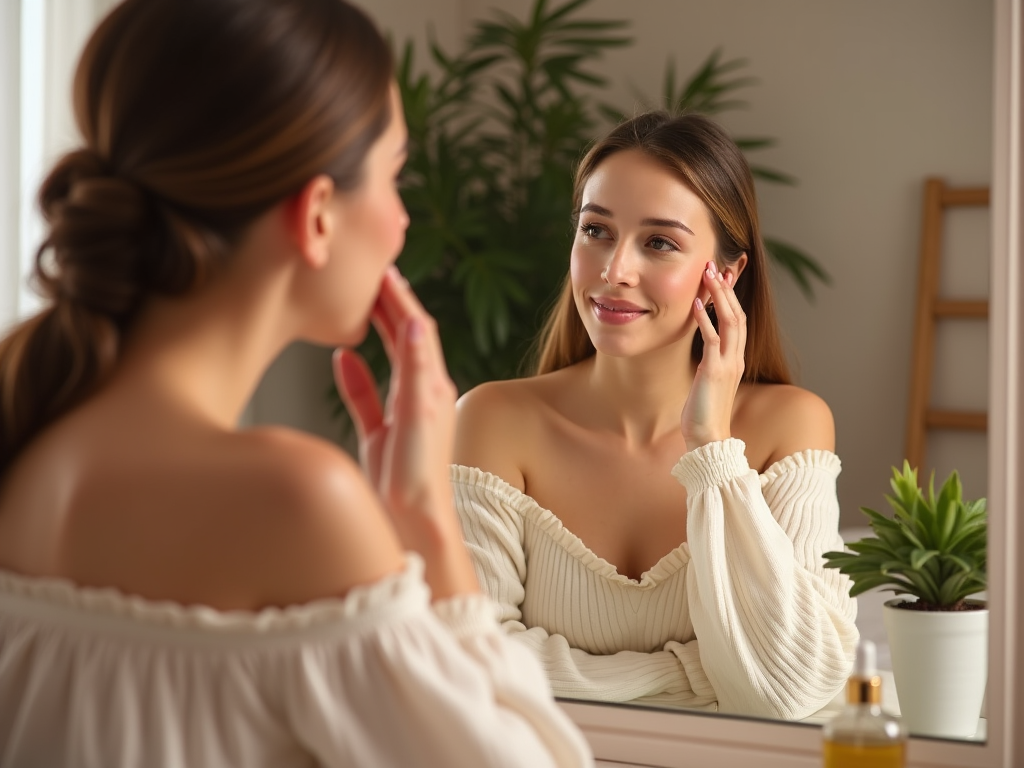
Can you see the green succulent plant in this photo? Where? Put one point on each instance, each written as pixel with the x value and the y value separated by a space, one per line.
pixel 934 547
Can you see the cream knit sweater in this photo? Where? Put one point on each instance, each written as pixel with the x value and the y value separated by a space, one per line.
pixel 741 617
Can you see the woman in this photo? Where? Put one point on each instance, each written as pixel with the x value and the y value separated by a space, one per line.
pixel 650 509
pixel 175 591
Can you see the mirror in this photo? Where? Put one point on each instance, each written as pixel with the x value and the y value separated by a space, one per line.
pixel 896 45
pixel 866 99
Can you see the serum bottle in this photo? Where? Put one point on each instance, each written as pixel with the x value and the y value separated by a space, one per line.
pixel 862 735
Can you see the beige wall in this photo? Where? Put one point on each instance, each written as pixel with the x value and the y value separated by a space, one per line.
pixel 866 98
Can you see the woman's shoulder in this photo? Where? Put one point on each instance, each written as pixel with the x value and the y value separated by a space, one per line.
pixel 534 398
pixel 792 399
pixel 780 420
pixel 499 423
pixel 311 513
pixel 233 520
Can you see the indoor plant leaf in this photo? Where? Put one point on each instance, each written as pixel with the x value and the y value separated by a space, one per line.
pixel 934 546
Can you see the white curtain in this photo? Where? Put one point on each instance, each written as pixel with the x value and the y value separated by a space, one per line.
pixel 40 41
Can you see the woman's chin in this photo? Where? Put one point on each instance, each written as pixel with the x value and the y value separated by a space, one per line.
pixel 633 347
pixel 349 337
pixel 355 336
pixel 616 347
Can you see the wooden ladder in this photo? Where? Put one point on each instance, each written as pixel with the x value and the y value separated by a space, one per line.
pixel 930 308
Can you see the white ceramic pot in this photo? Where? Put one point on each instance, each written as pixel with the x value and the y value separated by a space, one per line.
pixel 940 665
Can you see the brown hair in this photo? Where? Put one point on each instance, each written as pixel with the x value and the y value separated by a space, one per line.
pixel 704 157
pixel 196 117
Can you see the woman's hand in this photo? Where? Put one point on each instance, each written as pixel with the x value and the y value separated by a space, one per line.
pixel 707 415
pixel 405 447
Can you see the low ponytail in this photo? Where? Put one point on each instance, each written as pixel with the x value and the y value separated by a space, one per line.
pixel 89 270
pixel 49 363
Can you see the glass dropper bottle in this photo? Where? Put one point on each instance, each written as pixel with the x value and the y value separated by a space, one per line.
pixel 862 735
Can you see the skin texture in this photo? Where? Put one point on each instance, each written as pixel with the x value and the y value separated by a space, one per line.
pixel 594 442
pixel 149 487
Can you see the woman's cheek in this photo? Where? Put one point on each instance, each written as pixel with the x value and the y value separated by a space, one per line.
pixel 398 222
pixel 577 269
pixel 681 287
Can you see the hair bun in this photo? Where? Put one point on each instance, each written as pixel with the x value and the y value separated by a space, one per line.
pixel 98 222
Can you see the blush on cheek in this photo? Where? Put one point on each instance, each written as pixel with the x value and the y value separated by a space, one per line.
pixel 682 287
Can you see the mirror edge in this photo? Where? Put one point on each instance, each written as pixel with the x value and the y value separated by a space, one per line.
pixel 669 739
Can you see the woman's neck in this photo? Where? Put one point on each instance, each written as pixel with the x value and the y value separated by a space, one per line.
pixel 206 352
pixel 640 397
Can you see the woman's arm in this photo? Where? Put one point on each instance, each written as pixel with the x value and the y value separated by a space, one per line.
pixel 406 445
pixel 777 632
pixel 776 628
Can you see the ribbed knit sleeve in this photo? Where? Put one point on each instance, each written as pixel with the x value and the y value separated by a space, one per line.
pixel 496 521
pixel 776 628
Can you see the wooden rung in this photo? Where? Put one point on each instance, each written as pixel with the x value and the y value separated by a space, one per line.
pixel 966 420
pixel 961 309
pixel 965 196
pixel 929 308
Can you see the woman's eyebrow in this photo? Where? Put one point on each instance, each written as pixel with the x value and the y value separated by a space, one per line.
pixel 600 210
pixel 666 223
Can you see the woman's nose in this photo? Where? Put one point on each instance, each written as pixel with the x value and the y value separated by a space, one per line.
pixel 621 267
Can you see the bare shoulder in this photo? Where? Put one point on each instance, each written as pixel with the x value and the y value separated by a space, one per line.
pixel 312 514
pixel 778 420
pixel 496 423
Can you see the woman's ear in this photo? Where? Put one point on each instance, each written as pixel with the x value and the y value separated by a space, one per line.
pixel 736 268
pixel 311 220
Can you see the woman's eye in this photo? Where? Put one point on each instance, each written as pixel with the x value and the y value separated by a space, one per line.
pixel 591 230
pixel 661 244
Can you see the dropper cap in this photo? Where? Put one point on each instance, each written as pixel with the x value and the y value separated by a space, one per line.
pixel 864 685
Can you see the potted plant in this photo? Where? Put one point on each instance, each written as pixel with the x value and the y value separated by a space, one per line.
pixel 933 549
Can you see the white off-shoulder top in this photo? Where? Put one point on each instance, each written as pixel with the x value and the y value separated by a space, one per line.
pixel 742 617
pixel 92 677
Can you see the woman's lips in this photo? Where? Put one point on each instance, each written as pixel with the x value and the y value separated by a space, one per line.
pixel 616 312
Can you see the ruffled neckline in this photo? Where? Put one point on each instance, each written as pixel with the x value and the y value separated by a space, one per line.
pixel 548 522
pixel 48 597
pixel 812 458
pixel 669 564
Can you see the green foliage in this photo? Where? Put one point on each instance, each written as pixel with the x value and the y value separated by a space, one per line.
pixel 934 547
pixel 494 137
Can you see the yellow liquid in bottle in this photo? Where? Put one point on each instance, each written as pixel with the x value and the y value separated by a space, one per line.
pixel 839 755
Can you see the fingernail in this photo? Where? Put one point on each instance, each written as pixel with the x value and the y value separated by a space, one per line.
pixel 698 304
pixel 415 330
pixel 711 268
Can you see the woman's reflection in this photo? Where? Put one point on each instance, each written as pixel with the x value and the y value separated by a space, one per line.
pixel 650 509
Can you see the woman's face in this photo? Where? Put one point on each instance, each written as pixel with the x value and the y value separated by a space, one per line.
pixel 643 242
pixel 373 223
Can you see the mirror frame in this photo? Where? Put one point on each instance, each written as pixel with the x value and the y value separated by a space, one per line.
pixel 664 739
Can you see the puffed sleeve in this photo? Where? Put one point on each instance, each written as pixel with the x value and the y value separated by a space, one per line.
pixel 494 532
pixel 415 684
pixel 776 628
